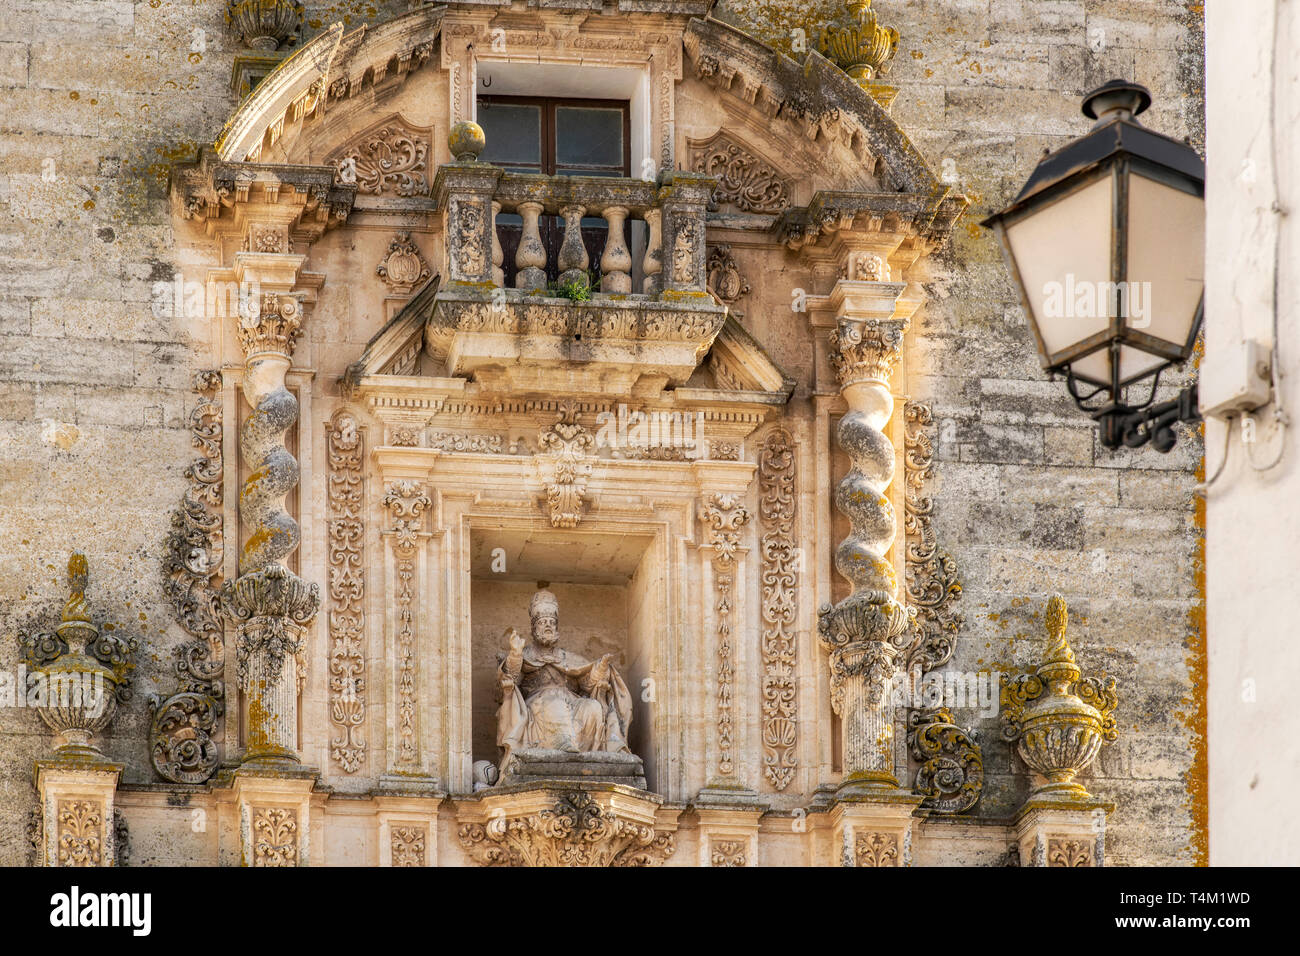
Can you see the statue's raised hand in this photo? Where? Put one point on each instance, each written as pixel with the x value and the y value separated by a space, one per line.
pixel 515 640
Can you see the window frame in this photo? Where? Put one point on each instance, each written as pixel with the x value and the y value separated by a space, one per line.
pixel 549 105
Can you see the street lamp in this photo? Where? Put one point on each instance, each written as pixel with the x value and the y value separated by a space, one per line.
pixel 1106 243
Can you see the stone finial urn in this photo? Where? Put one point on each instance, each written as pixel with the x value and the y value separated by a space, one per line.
pixel 858 44
pixel 1058 718
pixel 81 673
pixel 265 24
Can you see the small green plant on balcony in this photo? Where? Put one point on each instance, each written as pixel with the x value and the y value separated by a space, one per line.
pixel 575 290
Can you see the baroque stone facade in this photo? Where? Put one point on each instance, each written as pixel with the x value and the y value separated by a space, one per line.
pixel 775 445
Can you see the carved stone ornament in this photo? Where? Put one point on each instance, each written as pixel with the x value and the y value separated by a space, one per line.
pixel 85 671
pixel 574 831
pixel 728 853
pixel 80 838
pixel 558 708
pixel 1069 853
pixel 951 776
pixel 347 591
pixel 272 327
pixel 858 44
pixel 875 849
pixel 275 836
pixel 865 267
pixel 182 736
pixel 744 180
pixel 265 24
pixel 407 502
pixel 931 579
pixel 779 640
pixel 866 351
pixel 725 280
pixel 1058 718
pixel 391 159
pixel 564 457
pixel 724 518
pixel 407 842
pixel 404 268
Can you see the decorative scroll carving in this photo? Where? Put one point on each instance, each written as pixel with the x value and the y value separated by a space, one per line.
pixel 744 180
pixel 79 839
pixel 275 837
pixel 778 644
pixel 182 736
pixel 408 845
pixel 391 159
pixel 347 586
pixel 724 517
pixel 564 457
pixel 931 579
pixel 35 837
pixel 574 831
pixel 728 853
pixel 1058 718
pixel 1069 853
pixel 407 502
pixel 952 766
pixel 875 849
pixel 725 280
pixel 404 268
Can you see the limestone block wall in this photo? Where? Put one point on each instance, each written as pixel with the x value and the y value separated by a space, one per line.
pixel 1028 501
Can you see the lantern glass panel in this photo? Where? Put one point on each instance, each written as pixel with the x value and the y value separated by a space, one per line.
pixel 1166 260
pixel 1062 251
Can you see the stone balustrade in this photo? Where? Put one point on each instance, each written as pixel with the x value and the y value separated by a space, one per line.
pixel 474 194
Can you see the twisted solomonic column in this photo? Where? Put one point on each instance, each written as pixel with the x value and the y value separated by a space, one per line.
pixel 269 604
pixel 869 630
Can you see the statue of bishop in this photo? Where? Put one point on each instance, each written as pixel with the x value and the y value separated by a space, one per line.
pixel 553 699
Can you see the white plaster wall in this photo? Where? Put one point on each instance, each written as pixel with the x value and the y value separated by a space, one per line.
pixel 1253 522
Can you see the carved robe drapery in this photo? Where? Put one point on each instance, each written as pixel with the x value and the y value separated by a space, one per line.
pixel 563 702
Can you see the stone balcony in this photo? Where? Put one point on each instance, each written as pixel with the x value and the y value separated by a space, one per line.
pixel 612 338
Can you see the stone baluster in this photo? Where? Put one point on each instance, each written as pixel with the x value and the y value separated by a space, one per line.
pixel 530 258
pixel 869 630
pixel 498 254
pixel 270 606
pixel 684 200
pixel 654 253
pixel 616 261
pixel 573 259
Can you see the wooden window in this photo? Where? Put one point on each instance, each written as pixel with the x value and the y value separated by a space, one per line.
pixel 555 137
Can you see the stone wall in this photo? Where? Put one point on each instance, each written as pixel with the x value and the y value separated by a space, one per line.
pixel 1028 502
pixel 99 98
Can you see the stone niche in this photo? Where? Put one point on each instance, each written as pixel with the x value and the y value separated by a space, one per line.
pixel 609 589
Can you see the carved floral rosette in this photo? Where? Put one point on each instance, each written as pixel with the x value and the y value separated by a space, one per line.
pixel 182 736
pixel 575 831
